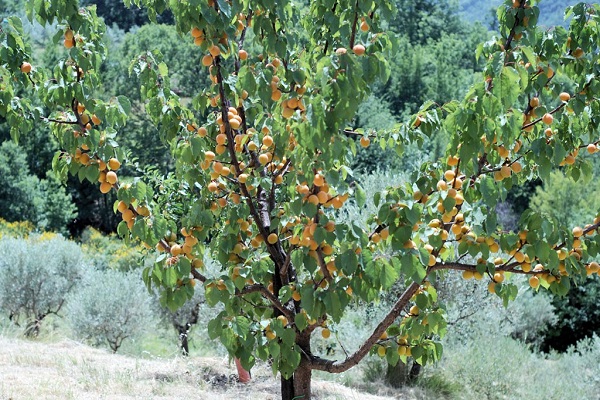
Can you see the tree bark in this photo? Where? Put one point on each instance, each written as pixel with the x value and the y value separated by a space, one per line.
pixel 303 374
pixel 303 380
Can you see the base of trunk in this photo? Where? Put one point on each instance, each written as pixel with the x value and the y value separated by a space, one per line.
pixel 243 375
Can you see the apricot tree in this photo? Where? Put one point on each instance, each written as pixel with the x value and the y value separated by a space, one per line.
pixel 262 166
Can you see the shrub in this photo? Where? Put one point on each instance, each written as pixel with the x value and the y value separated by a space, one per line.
pixel 503 368
pixel 15 229
pixel 35 277
pixel 107 251
pixel 109 307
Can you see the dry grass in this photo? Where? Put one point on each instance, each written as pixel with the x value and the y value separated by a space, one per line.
pixel 70 370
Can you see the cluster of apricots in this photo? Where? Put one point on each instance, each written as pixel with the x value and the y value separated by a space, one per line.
pixel 108 175
pixel 170 243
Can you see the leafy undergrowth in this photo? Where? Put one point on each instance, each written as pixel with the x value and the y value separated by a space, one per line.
pixel 69 370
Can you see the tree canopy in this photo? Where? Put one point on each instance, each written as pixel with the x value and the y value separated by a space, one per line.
pixel 262 160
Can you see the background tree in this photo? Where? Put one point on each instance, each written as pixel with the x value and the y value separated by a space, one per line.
pixel 258 182
pixel 36 275
pixel 25 197
pixel 108 308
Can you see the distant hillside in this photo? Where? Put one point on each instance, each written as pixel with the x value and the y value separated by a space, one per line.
pixel 551 11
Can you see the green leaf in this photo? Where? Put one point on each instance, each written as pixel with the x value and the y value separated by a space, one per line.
pixel 360 195
pixel 388 276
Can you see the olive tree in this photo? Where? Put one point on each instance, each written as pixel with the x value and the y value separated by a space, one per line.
pixel 108 308
pixel 262 161
pixel 36 275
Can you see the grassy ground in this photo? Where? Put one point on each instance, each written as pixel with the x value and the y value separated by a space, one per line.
pixel 69 370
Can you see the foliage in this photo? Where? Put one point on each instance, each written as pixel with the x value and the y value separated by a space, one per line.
pixel 109 252
pixel 473 312
pixel 186 74
pixel 551 12
pixel 126 18
pixel 555 199
pixel 426 20
pixel 439 69
pixel 525 375
pixel 109 307
pixel 36 275
pixel 578 315
pixel 17 229
pixel 25 197
pixel 261 167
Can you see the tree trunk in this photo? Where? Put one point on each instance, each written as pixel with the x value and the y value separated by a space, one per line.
pixel 397 376
pixel 415 370
pixel 287 388
pixel 303 374
pixel 302 380
pixel 185 347
pixel 400 375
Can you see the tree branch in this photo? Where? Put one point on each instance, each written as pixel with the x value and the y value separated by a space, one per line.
pixel 322 364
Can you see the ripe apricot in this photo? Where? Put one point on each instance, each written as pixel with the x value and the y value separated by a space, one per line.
pixel 548 119
pixel 207 60
pixel 214 51
pixel 534 282
pixel 25 68
pixel 358 49
pixel 287 112
pixel 267 140
pixel 272 238
pixel 592 148
pixel 114 164
pixel 564 96
pixel 105 187
pixel 534 102
pixel 196 32
pixel 111 177
pixel 263 159
pixel 365 141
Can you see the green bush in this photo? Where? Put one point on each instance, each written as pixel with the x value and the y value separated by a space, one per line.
pixel 109 307
pixel 36 275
